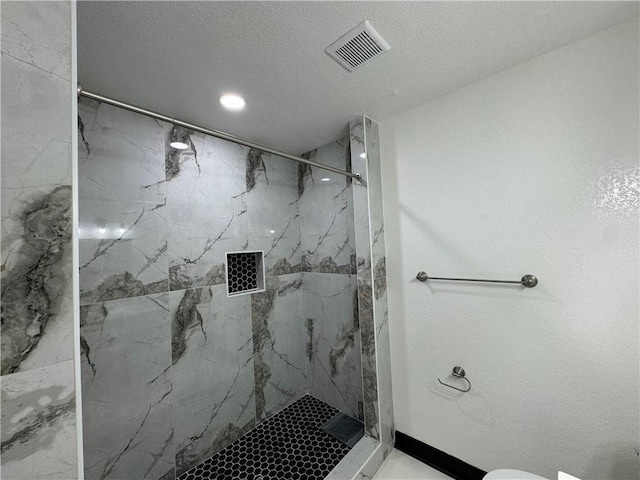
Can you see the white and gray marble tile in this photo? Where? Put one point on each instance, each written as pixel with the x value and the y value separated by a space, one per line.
pixel 121 154
pixel 380 307
pixel 122 250
pixel 126 385
pixel 272 212
pixel 37 307
pixel 372 282
pixel 206 209
pixel 326 212
pixel 383 354
pixel 334 372
pixel 369 363
pixel 198 238
pixel 278 344
pixel 211 171
pixel 374 180
pixel 36 101
pixel 362 225
pixel 38 393
pixel 37 325
pixel 213 372
pixel 39 423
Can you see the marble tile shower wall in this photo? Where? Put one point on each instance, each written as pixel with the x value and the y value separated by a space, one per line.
pixel 38 386
pixel 372 283
pixel 372 291
pixel 379 275
pixel 329 282
pixel 172 369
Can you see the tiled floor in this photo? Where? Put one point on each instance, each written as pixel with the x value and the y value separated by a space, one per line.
pixel 290 445
pixel 400 466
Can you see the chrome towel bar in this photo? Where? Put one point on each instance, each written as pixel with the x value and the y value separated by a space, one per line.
pixel 528 280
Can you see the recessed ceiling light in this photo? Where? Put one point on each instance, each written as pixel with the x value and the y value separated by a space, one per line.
pixel 232 102
pixel 325 179
pixel 178 145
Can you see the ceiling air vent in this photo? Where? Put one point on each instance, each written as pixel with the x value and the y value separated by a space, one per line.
pixel 357 46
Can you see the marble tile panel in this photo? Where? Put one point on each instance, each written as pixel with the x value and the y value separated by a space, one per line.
pixel 381 311
pixel 206 208
pixel 362 225
pixel 278 344
pixel 272 212
pixel 326 212
pixel 126 388
pixel 36 108
pixel 198 238
pixel 37 306
pixel 39 423
pixel 122 250
pixel 333 341
pixel 35 192
pixel 213 371
pixel 38 427
pixel 39 37
pixel 211 172
pixel 374 180
pixel 120 154
pixel 369 367
pixel 383 354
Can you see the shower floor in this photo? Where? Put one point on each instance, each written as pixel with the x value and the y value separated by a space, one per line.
pixel 289 445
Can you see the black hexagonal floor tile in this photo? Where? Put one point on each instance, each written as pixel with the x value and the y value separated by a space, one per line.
pixel 292 445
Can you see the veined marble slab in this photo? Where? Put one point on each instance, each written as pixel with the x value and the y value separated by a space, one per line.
pixel 369 371
pixel 278 344
pixel 120 154
pixel 213 372
pixel 37 325
pixel 206 208
pixel 361 223
pixel 326 212
pixel 37 309
pixel 272 212
pixel 39 423
pixel 126 385
pixel 333 341
pixel 122 250
pixel 198 238
pixel 380 307
pixel 385 394
pixel 374 180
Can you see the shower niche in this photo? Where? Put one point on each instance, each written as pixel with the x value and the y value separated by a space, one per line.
pixel 244 272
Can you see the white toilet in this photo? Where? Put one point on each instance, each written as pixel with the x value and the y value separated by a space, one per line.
pixel 510 474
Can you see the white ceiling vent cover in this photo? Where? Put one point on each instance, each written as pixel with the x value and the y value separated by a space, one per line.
pixel 357 46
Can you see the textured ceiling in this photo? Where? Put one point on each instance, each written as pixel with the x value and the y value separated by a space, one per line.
pixel 178 57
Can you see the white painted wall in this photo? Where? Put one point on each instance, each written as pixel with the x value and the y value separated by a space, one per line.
pixel 533 170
